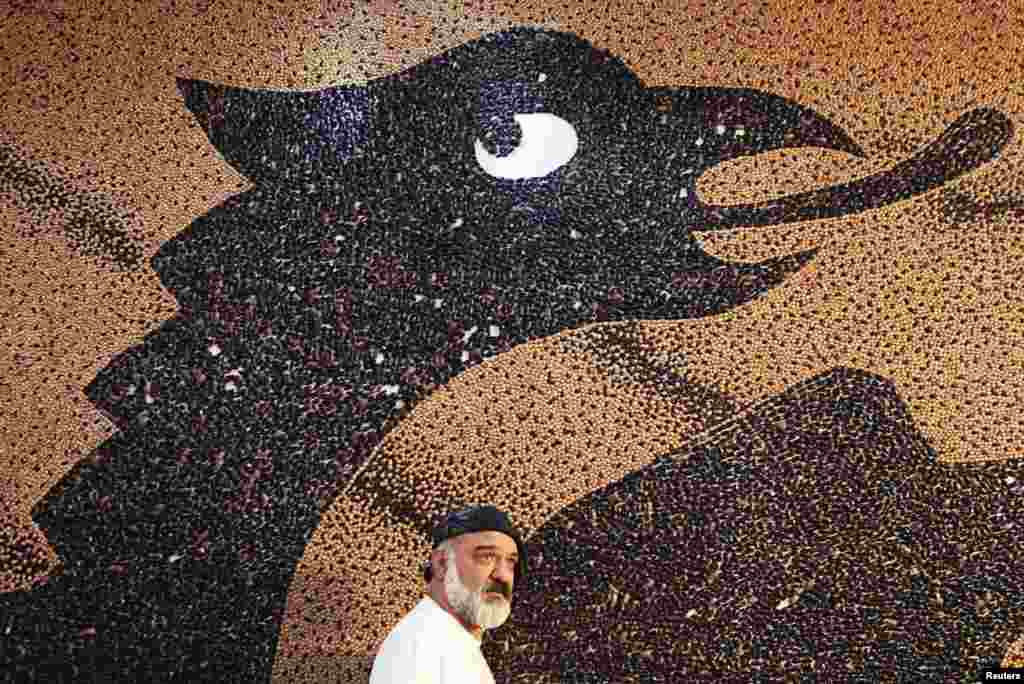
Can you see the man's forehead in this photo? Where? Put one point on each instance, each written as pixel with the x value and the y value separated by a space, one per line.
pixel 488 539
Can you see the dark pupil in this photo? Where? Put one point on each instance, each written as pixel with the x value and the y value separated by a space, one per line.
pixel 500 135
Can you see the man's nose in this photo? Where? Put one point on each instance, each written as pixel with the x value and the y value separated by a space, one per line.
pixel 504 573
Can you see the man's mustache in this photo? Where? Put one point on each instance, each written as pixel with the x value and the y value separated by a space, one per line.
pixel 502 589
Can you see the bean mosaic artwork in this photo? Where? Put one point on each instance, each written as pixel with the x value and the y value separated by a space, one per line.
pixel 720 303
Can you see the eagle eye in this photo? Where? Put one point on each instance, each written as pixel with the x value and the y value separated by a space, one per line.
pixel 547 143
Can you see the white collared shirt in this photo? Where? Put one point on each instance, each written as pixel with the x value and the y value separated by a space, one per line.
pixel 429 646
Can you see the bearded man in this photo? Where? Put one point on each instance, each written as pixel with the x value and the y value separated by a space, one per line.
pixel 479 556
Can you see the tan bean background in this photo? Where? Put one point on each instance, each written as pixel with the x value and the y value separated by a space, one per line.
pixel 89 98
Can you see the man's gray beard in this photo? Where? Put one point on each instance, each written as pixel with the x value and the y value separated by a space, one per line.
pixel 471 605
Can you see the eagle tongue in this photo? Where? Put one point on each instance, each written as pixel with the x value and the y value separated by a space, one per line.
pixel 972 140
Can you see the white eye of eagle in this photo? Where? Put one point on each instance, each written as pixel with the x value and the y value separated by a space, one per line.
pixel 547 143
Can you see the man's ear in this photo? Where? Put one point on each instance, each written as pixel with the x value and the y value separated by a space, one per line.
pixel 439 562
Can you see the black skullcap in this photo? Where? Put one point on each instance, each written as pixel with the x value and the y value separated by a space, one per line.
pixel 478 519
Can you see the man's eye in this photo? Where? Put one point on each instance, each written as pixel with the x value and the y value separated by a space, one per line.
pixel 548 142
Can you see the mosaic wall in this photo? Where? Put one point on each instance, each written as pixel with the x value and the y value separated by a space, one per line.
pixel 719 300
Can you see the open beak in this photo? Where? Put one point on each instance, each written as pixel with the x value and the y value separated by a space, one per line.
pixel 972 140
pixel 741 122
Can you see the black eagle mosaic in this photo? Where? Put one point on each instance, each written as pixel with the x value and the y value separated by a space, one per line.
pixel 398 233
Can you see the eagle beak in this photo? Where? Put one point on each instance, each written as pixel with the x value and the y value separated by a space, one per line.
pixel 732 122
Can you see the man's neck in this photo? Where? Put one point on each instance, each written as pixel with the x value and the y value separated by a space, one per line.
pixel 476 630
